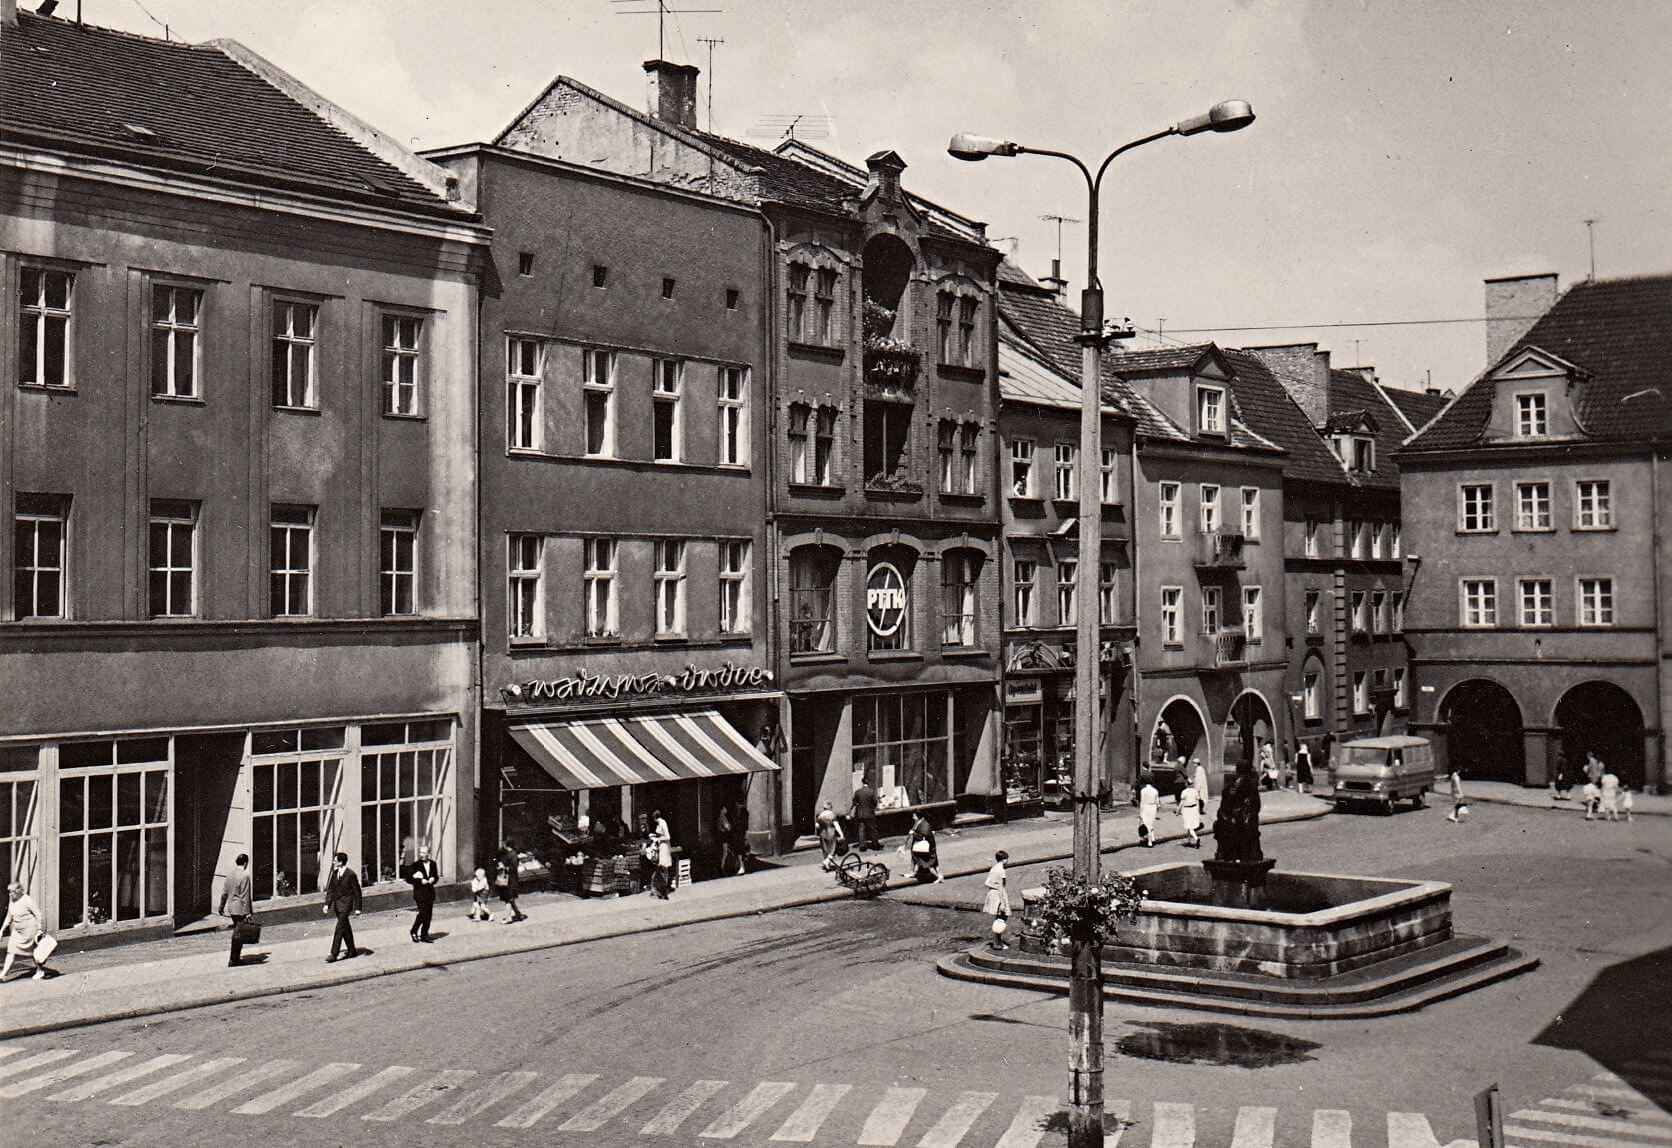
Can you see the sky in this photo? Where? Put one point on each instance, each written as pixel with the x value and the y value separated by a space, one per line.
pixel 1402 153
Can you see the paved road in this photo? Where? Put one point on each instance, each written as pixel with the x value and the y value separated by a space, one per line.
pixel 829 1026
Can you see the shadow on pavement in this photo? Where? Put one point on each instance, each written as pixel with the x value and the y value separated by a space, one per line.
pixel 1226 1045
pixel 1607 1023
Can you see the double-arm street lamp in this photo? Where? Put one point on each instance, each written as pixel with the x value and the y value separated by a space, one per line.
pixel 1086 981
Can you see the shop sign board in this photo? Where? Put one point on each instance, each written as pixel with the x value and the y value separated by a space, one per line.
pixel 885 599
pixel 586 686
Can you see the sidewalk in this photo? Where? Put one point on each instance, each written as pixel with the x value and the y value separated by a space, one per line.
pixel 1508 793
pixel 144 980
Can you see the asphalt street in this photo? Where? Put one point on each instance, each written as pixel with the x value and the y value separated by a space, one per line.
pixel 830 1026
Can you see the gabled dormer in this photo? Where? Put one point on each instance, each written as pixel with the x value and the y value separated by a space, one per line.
pixel 1352 436
pixel 1190 385
pixel 1535 398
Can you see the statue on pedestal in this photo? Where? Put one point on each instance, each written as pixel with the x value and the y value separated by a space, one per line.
pixel 1236 831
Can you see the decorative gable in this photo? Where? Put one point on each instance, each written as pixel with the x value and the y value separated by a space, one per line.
pixel 1535 397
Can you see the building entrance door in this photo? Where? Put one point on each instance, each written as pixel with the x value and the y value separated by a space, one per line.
pixel 208 836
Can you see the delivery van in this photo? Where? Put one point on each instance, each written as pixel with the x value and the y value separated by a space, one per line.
pixel 1381 771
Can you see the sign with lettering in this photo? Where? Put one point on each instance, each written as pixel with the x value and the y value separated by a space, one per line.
pixel 885 599
pixel 584 686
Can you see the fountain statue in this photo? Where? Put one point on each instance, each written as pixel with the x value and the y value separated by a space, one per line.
pixel 1238 867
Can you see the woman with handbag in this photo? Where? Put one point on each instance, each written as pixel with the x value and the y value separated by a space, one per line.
pixel 661 846
pixel 505 881
pixel 830 836
pixel 23 918
pixel 924 858
pixel 997 904
pixel 236 904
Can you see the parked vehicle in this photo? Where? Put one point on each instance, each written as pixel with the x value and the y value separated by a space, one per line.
pixel 1382 770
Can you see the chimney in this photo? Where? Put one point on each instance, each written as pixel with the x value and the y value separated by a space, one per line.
pixel 1055 281
pixel 1304 372
pixel 1367 373
pixel 673 93
pixel 1513 305
pixel 885 168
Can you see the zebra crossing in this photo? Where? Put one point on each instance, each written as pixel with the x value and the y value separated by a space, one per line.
pixel 583 1106
pixel 1604 1112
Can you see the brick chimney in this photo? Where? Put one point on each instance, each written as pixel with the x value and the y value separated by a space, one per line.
pixel 1055 281
pixel 1303 370
pixel 885 168
pixel 1513 305
pixel 673 93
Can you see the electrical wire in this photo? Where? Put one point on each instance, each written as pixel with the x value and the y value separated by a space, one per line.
pixel 1365 323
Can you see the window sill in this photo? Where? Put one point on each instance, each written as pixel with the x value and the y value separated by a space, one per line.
pixel 1177 646
pixel 601 640
pixel 816 490
pixel 1461 531
pixel 893 656
pixel 525 643
pixel 965 652
pixel 1026 498
pixel 397 416
pixel 1595 529
pixel 961 371
pixel 829 351
pixel 1314 639
pixel 670 639
pixel 525 452
pixel 180 400
pixel 46 389
pixel 892 494
pixel 816 657
pixel 959 498
pixel 1532 530
pixel 298 410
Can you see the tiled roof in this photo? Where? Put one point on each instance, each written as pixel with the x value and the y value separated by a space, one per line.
pixel 1027 377
pixel 185 107
pixel 1160 359
pixel 1267 408
pixel 944 218
pixel 1417 406
pixel 1351 394
pixel 1619 331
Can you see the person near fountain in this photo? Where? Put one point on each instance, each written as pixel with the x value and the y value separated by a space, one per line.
pixel 1149 805
pixel 997 904
pixel 1199 778
pixel 1270 775
pixel 1303 768
pixel 1592 796
pixel 1190 812
pixel 1609 806
pixel 1459 806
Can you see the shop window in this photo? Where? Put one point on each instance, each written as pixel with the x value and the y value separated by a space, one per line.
pixel 40 531
pixel 900 746
pixel 668 425
pixel 599 583
pixel 1024 747
pixel 670 589
pixel 524 378
pixel 1068 573
pixel 113 815
pixel 598 389
pixel 294 826
pixel 175 316
pixel 398 563
pixel 291 557
pixel 525 589
pixel 18 810
pixel 295 362
pixel 1065 484
pixel 172 562
pixel 734 416
pixel 812 584
pixel 734 587
pixel 405 801
pixel 887 441
pixel 44 314
pixel 959 571
pixel 401 335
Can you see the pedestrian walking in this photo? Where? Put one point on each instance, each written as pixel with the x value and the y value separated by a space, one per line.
pixel 997 904
pixel 236 905
pixel 661 840
pixel 831 838
pixel 1149 806
pixel 1199 779
pixel 505 881
pixel 1625 801
pixel 1594 769
pixel 1592 793
pixel 1459 807
pixel 1190 812
pixel 1326 750
pixel 422 876
pixel 1303 768
pixel 1270 776
pixel 925 857
pixel 734 837
pixel 863 813
pixel 342 900
pixel 1560 787
pixel 479 887
pixel 23 920
pixel 1609 802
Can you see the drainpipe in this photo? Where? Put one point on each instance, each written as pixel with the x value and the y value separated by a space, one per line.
pixel 1137 607
pixel 1662 608
pixel 774 631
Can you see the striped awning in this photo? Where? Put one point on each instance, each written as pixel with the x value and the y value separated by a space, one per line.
pixel 594 753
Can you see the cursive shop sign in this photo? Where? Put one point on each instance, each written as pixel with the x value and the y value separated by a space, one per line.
pixel 885 599
pixel 585 686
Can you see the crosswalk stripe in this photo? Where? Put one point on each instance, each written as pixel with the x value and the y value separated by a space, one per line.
pixel 331 1105
pixel 50 1056
pixel 1332 1128
pixel 1580 1140
pixel 296 1089
pixel 745 1112
pixel 1117 1115
pixel 547 1099
pixel 1570 1120
pixel 505 1085
pixel 1649 1114
pixel 612 1104
pixel 249 1078
pixel 1593 1090
pixel 1027 1127
pixel 1175 1126
pixel 1607 1077
pixel 1255 1128
pixel 890 1117
pixel 47 1079
pixel 160 1088
pixel 955 1122
pixel 1412 1130
pixel 803 1124
pixel 110 1080
pixel 681 1108
pixel 9 1050
pixel 419 1095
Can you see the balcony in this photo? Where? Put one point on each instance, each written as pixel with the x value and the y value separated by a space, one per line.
pixel 891 366
pixel 1220 550
pixel 1226 648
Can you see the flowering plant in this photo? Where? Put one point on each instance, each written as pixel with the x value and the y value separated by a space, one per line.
pixel 1075 906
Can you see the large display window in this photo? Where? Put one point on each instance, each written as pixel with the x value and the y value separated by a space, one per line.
pixel 901 747
pixel 405 794
pixel 113 838
pixel 19 800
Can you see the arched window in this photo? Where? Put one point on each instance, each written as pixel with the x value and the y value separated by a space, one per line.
pixel 960 577
pixel 888 598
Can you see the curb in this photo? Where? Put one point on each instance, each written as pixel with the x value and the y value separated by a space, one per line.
pixel 341 976
pixel 1574 806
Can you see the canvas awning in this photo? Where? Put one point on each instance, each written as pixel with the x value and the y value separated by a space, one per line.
pixel 597 752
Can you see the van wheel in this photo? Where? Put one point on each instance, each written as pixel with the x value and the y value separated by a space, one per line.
pixel 1387 806
pixel 1420 799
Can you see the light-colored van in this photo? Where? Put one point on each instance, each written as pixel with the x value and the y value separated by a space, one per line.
pixel 1382 770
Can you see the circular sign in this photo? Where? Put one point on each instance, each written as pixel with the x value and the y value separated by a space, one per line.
pixel 885 599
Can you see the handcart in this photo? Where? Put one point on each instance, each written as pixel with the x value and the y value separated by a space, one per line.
pixel 865 878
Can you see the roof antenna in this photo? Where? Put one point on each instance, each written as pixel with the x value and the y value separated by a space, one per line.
pixel 1591 239
pixel 711 41
pixel 661 11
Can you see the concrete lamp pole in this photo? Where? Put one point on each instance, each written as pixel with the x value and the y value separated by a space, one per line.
pixel 1085 995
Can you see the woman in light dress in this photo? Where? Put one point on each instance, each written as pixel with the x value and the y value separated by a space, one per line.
pixel 1199 778
pixel 1609 805
pixel 23 919
pixel 1190 812
pixel 997 904
pixel 1149 806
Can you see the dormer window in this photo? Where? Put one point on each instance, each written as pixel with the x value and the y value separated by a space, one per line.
pixel 1210 410
pixel 1364 454
pixel 1531 415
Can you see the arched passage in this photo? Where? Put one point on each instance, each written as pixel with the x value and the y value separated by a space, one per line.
pixel 1247 725
pixel 1483 734
pixel 1180 732
pixel 1601 718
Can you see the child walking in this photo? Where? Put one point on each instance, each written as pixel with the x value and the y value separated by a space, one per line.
pixel 479 896
pixel 1459 807
pixel 998 899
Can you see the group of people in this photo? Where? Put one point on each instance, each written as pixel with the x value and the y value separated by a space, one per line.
pixel 1603 794
pixel 1191 808
pixel 919 848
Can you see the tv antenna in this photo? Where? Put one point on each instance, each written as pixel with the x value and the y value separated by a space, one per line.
pixel 661 11
pixel 1059 220
pixel 1591 240
pixel 800 126
pixel 711 41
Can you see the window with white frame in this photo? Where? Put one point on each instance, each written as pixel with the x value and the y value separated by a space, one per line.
pixel 1398 611
pixel 812 595
pixel 1253 614
pixel 1376 540
pixel 670 588
pixel 1480 602
pixel 1024 585
pixel 44 357
pixel 969 452
pixel 598 582
pixel 1172 620
pixel 1211 610
pixel 1066 486
pixel 1168 504
pixel 172 562
pixel 113 831
pixel 1021 467
pixel 1210 410
pixel 295 362
pixel 398 563
pixel 1379 611
pixel 1537 601
pixel 401 335
pixel 1400 698
pixel 1108 591
pixel 526 586
pixel 1596 601
pixel 1531 418
pixel 290 552
pixel 1364 454
pixel 406 794
pixel 1108 480
pixel 946 455
pixel 1251 513
pixel 1395 543
pixel 668 429
pixel 734 416
pixel 1361 692
pixel 1532 506
pixel 1593 504
pixel 1312 691
pixel 967 308
pixel 598 391
pixel 1310 539
pixel 1475 514
pixel 959 570
pixel 1360 616
pixel 19 808
pixel 1355 538
pixel 176 314
pixel 1068 573
pixel 295 789
pixel 524 375
pixel 1314 624
pixel 40 533
pixel 734 587
pixel 1210 508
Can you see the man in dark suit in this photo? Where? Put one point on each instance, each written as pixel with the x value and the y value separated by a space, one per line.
pixel 342 899
pixel 863 813
pixel 422 876
pixel 236 903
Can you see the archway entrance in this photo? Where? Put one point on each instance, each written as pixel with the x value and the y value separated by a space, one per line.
pixel 1483 732
pixel 1179 734
pixel 1247 725
pixel 1601 718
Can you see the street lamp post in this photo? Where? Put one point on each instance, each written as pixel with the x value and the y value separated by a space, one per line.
pixel 1085 994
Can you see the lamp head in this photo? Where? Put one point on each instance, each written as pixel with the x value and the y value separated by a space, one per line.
pixel 972 147
pixel 1225 116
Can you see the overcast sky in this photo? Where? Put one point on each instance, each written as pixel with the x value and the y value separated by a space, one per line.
pixel 1403 152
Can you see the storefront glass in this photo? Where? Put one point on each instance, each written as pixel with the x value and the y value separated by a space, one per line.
pixel 113 831
pixel 405 794
pixel 900 746
pixel 18 798
pixel 1024 750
